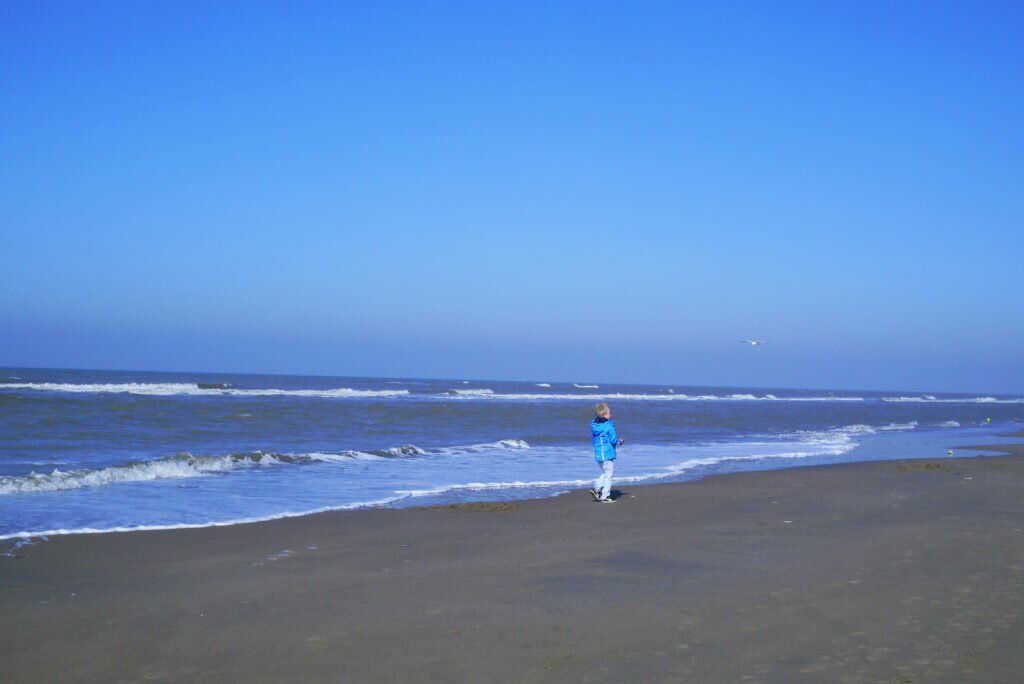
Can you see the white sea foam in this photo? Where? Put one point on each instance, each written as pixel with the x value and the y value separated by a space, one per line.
pixel 543 384
pixel 43 534
pixel 807 446
pixel 21 543
pixel 690 458
pixel 828 448
pixel 927 399
pixel 950 424
pixel 899 426
pixel 529 396
pixel 840 438
pixel 127 388
pixel 188 466
pixel 858 429
pixel 484 486
pixel 175 467
pixel 584 386
pixel 837 445
pixel 472 392
pixel 174 388
pixel 341 456
pixel 413 450
pixel 407 450
pixel 339 392
pixel 501 445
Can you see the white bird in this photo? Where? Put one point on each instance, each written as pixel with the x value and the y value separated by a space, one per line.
pixel 752 343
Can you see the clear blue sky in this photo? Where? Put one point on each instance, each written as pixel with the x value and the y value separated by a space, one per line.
pixel 548 191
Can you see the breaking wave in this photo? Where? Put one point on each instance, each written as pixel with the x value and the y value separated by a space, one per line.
pixel 899 426
pixel 174 467
pixel 669 396
pixel 188 388
pixel 216 389
pixel 928 398
pixel 187 466
pixel 810 445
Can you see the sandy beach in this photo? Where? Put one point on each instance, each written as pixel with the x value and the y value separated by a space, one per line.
pixel 897 571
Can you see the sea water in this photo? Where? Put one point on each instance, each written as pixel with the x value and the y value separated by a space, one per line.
pixel 95 451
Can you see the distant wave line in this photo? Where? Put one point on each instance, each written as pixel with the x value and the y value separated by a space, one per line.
pixel 182 388
pixel 929 399
pixel 644 397
pixel 193 389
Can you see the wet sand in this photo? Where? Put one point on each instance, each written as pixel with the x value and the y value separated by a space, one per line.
pixel 899 571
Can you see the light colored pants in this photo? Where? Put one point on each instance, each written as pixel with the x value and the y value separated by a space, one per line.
pixel 603 485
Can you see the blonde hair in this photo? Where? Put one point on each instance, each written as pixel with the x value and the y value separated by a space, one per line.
pixel 602 409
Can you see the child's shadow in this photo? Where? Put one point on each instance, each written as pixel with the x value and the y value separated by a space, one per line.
pixel 616 494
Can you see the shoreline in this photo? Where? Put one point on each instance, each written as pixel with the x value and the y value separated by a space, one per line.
pixel 15 540
pixel 872 571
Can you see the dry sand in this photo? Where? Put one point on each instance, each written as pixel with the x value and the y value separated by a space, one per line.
pixel 900 571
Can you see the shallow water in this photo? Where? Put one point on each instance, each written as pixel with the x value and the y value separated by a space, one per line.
pixel 103 450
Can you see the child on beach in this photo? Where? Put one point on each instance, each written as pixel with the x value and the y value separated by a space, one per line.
pixel 602 429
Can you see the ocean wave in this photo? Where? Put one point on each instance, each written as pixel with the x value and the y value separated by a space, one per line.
pixel 45 534
pixel 174 467
pixel 928 399
pixel 471 392
pixel 413 450
pixel 334 457
pixel 754 451
pixel 484 486
pixel 858 429
pixel 669 395
pixel 687 463
pixel 543 384
pixel 530 396
pixel 584 386
pixel 950 424
pixel 193 389
pixel 501 445
pixel 188 466
pixel 844 433
pixel 328 457
pixel 810 449
pixel 899 426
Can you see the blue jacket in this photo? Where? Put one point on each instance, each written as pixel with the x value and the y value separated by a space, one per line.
pixel 605 439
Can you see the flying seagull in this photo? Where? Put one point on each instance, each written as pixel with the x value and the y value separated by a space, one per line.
pixel 752 343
